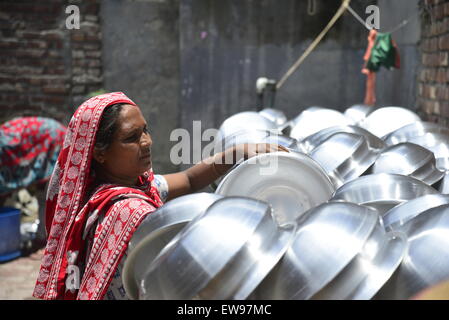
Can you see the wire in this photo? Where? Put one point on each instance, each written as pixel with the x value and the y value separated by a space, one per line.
pixel 341 10
pixel 405 22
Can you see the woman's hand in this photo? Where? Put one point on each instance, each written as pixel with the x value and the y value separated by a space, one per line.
pixel 208 170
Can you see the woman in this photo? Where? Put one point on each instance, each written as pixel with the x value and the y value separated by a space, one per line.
pixel 100 191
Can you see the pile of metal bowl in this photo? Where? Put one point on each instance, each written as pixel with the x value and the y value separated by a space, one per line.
pixel 357 209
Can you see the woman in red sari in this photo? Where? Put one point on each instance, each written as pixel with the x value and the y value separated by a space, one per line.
pixel 101 189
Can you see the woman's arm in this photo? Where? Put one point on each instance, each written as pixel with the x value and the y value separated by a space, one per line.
pixel 210 169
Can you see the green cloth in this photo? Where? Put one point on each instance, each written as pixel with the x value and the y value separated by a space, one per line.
pixel 383 53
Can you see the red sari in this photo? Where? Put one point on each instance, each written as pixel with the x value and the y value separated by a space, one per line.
pixel 88 234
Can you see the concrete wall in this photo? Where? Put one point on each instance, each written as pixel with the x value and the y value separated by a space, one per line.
pixel 227 45
pixel 398 87
pixel 141 58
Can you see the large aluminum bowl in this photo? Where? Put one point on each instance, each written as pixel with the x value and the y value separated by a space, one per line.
pixel 312 121
pixel 274 115
pixel 444 186
pixel 395 218
pixel 291 182
pixel 314 140
pixel 156 231
pixel 438 144
pixel 388 119
pixel 257 136
pixel 415 129
pixel 410 160
pixel 365 275
pixel 382 191
pixel 357 113
pixel 328 238
pixel 247 120
pixel 223 254
pixel 344 156
pixel 427 259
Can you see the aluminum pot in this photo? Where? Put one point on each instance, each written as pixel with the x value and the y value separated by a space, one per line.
pixel 156 231
pixel 274 115
pixel 365 275
pixel 409 159
pixel 415 129
pixel 312 121
pixel 385 120
pixel 291 182
pixel 427 259
pixel 223 254
pixel 328 238
pixel 357 113
pixel 382 191
pixel 247 120
pixel 395 218
pixel 344 156
pixel 314 140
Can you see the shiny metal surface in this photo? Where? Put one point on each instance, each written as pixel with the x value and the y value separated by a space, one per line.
pixel 156 231
pixel 274 115
pixel 291 182
pixel 257 136
pixel 427 259
pixel 415 129
pixel 312 121
pixel 444 186
pixel 357 113
pixel 248 120
pixel 223 254
pixel 344 156
pixel 382 191
pixel 443 163
pixel 438 144
pixel 314 140
pixel 407 211
pixel 328 238
pixel 409 159
pixel 365 275
pixel 388 119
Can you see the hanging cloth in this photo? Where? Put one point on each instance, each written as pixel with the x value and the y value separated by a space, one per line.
pixel 381 51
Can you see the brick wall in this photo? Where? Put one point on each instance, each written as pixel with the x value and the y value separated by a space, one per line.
pixel 45 68
pixel 433 80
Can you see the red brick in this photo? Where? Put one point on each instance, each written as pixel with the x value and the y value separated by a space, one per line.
pixel 31 35
pixel 55 70
pixel 438 11
pixel 54 89
pixel 94 63
pixel 93 37
pixel 9 43
pixel 441 75
pixel 53 35
pixel 78 36
pixel 48 99
pixel 443 93
pixel 446 9
pixel 444 59
pixel 443 42
pixel 444 109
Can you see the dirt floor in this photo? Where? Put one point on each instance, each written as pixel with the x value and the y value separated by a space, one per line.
pixel 18 277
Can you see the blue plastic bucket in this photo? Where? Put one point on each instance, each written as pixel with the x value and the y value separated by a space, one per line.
pixel 9 233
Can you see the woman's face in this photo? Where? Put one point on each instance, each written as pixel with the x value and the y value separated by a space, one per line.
pixel 129 154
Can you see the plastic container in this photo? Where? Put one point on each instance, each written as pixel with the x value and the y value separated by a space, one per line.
pixel 9 233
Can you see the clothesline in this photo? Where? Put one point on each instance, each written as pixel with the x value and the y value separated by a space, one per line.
pixel 344 6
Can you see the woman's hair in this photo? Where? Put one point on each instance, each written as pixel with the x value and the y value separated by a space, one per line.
pixel 108 126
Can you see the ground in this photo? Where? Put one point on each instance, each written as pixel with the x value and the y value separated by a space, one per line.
pixel 18 277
